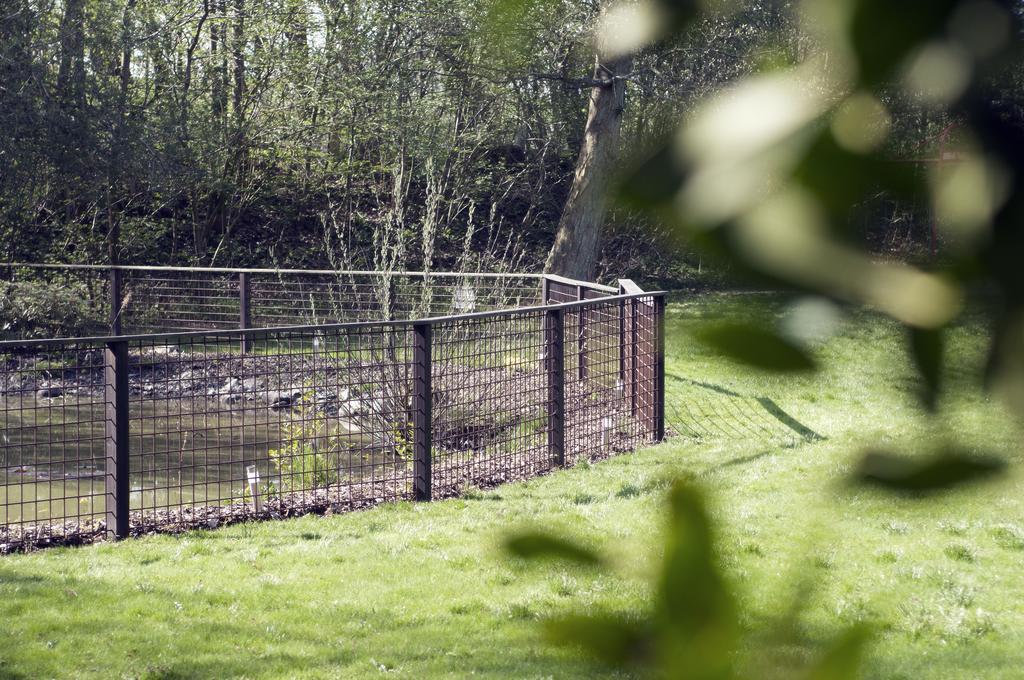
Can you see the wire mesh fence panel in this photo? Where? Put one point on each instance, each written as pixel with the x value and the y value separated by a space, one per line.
pixel 490 401
pixel 473 293
pixel 52 437
pixel 162 432
pixel 288 299
pixel 307 420
pixel 561 292
pixel 79 300
pixel 645 346
pixel 598 414
pixel 155 300
pixel 45 303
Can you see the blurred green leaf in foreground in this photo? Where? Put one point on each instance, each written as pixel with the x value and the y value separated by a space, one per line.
pixel 691 630
pixel 766 172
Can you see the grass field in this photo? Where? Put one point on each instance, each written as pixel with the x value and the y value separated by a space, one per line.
pixel 424 590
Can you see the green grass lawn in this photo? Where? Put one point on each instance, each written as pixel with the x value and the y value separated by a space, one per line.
pixel 424 590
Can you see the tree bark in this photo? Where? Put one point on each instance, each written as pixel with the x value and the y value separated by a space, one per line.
pixel 120 138
pixel 71 71
pixel 69 118
pixel 219 59
pixel 186 83
pixel 578 240
pixel 238 52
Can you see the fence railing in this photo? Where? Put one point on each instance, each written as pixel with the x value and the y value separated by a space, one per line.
pixel 141 299
pixel 123 434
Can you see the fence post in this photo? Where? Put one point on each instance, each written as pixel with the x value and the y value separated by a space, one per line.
pixel 545 291
pixel 422 402
pixel 244 315
pixel 117 489
pixel 115 301
pixel 554 355
pixel 582 340
pixel 622 341
pixel 658 426
pixel 634 338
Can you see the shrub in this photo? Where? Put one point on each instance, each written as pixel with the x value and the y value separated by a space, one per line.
pixel 37 309
pixel 309 456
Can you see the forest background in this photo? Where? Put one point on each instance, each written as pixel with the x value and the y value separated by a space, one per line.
pixel 371 134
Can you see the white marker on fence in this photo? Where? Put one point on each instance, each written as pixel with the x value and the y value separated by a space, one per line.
pixel 607 425
pixel 253 476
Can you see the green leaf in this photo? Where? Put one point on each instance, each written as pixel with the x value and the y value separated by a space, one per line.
pixel 535 545
pixel 926 345
pixel 884 33
pixel 653 182
pixel 841 661
pixel 936 472
pixel 695 621
pixel 628 26
pixel 510 29
pixel 840 178
pixel 677 13
pixel 757 346
pixel 612 639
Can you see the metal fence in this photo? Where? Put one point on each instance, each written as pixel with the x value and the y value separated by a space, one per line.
pixel 135 299
pixel 120 435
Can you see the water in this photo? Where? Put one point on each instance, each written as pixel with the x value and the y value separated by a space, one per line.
pixel 182 451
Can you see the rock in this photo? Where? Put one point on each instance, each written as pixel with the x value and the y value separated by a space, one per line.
pixel 281 403
pixel 351 407
pixel 92 357
pixel 284 399
pixel 49 392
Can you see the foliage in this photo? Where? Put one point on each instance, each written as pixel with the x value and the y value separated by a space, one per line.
pixel 44 309
pixel 757 347
pixel 692 629
pixel 942 470
pixel 773 192
pixel 250 132
pixel 765 173
pixel 309 457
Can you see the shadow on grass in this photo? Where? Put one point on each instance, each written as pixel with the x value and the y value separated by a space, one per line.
pixel 703 411
pixel 743 459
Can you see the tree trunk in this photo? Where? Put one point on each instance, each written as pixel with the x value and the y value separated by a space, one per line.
pixel 238 52
pixel 120 138
pixel 574 253
pixel 219 60
pixel 186 83
pixel 70 116
pixel 71 70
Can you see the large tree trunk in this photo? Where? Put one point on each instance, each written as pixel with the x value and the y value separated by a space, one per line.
pixel 574 253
